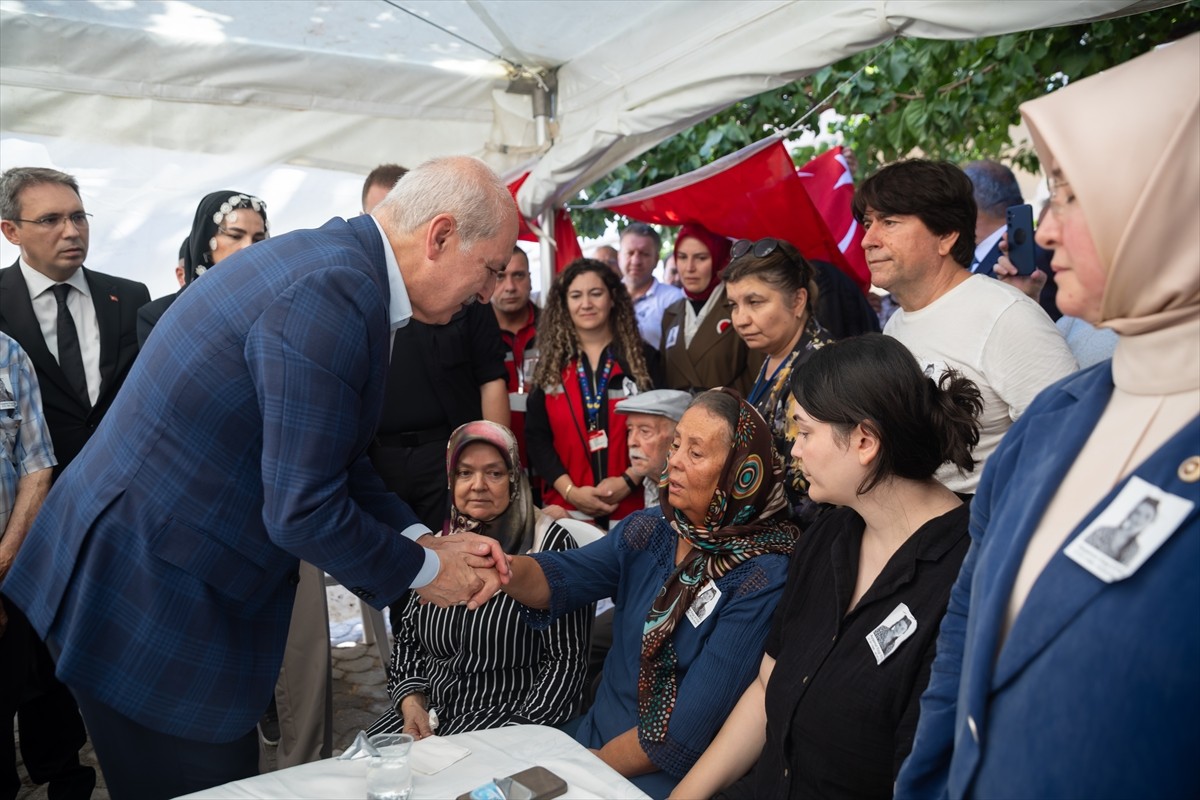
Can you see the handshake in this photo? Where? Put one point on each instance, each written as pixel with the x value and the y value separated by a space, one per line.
pixel 473 569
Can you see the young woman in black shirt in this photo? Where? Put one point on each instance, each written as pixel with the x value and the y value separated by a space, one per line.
pixel 833 710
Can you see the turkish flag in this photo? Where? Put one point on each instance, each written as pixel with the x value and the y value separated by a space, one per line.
pixel 566 242
pixel 751 194
pixel 831 187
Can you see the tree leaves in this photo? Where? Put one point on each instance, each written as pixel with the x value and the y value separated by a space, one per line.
pixel 945 99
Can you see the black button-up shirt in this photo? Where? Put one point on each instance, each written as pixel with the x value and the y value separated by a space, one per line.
pixel 839 724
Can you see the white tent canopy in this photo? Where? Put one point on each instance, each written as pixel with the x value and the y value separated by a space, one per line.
pixel 342 85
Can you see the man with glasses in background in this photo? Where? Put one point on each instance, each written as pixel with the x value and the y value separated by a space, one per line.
pixel 79 328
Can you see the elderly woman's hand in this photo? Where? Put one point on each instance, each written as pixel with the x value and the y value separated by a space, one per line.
pixel 589 500
pixel 416 716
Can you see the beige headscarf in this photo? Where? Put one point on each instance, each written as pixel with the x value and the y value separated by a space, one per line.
pixel 1140 205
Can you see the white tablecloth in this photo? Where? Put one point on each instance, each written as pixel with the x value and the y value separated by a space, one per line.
pixel 494 754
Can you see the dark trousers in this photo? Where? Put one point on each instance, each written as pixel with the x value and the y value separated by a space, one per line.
pixel 51 729
pixel 146 764
pixel 417 475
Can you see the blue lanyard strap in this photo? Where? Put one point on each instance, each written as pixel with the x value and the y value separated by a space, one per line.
pixel 762 384
pixel 593 401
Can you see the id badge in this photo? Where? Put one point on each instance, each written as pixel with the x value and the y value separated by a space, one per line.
pixel 703 605
pixel 597 440
pixel 894 631
pixel 1136 523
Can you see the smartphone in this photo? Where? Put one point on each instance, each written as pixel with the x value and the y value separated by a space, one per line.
pixel 1020 238
pixel 535 783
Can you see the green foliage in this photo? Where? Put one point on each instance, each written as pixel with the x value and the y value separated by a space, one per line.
pixel 946 99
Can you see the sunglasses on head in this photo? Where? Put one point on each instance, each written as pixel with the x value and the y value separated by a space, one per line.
pixel 762 248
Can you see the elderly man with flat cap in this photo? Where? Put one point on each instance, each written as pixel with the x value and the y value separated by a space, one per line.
pixel 651 418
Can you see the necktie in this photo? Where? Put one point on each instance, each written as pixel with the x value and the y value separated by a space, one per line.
pixel 70 358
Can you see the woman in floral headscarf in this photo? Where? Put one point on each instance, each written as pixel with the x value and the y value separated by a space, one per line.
pixel 226 222
pixel 694 581
pixel 701 349
pixel 486 668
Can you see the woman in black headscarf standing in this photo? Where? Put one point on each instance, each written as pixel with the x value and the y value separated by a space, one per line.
pixel 226 222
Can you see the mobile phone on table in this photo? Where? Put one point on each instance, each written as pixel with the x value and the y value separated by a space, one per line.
pixel 535 783
pixel 1020 238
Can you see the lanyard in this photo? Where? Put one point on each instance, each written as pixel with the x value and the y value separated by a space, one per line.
pixel 592 402
pixel 761 385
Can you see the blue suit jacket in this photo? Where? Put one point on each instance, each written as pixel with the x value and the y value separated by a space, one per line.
pixel 162 567
pixel 1094 692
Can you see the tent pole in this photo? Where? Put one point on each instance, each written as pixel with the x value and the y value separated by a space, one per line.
pixel 542 101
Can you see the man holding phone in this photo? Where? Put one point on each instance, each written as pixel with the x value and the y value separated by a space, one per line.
pixel 996 193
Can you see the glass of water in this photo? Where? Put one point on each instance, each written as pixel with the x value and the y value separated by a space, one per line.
pixel 389 777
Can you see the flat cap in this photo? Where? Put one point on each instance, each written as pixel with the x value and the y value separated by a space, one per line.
pixel 660 402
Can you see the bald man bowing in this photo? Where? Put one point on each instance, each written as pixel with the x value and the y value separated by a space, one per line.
pixel 161 569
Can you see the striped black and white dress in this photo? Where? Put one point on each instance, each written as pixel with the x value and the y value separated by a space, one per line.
pixel 487 668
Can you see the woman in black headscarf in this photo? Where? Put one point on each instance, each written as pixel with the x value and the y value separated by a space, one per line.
pixel 225 222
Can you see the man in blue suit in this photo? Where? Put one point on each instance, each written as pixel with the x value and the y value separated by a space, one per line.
pixel 162 567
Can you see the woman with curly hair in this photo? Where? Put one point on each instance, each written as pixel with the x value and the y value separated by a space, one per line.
pixel 591 357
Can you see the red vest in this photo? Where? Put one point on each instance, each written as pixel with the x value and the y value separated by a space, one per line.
pixel 518 348
pixel 564 410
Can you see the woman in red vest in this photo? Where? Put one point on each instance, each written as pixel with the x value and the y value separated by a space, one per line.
pixel 591 357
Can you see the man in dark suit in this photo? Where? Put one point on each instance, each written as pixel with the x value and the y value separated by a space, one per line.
pixel 161 571
pixel 996 189
pixel 81 370
pixel 78 328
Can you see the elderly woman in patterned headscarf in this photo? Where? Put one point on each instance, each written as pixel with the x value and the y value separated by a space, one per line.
pixel 471 670
pixel 226 222
pixel 694 581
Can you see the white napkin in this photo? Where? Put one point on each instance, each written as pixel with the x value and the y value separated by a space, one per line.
pixel 433 754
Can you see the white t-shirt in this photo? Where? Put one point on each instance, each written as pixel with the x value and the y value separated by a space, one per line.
pixel 995 336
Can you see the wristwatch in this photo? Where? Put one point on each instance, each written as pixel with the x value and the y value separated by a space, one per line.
pixel 630 482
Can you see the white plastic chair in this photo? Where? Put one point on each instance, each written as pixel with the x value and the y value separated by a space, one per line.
pixel 584 533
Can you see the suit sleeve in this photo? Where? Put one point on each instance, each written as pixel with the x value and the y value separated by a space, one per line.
pixel 926 771
pixel 310 369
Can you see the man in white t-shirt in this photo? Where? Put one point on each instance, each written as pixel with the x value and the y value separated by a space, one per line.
pixel 640 245
pixel 919 218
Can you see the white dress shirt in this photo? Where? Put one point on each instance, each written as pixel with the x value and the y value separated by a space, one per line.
pixel 83 311
pixel 985 247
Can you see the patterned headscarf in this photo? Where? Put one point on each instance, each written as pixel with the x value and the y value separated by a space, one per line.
pixel 210 215
pixel 746 517
pixel 718 247
pixel 514 529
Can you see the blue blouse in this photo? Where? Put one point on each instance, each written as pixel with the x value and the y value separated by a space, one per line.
pixel 717 658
